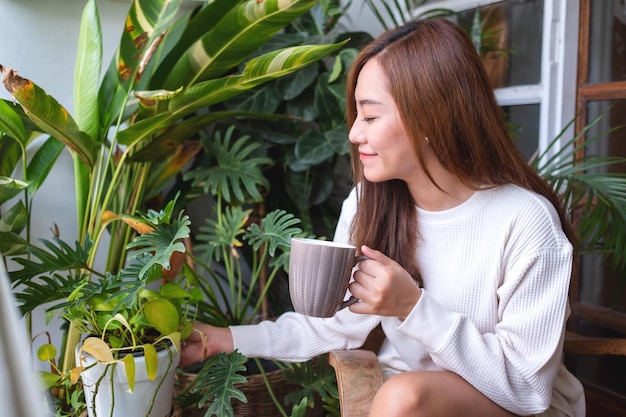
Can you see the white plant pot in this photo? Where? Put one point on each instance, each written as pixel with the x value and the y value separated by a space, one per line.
pixel 115 395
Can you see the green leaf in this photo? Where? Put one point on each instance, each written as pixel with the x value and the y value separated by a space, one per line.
pixel 42 163
pixel 163 241
pixel 145 24
pixel 293 85
pixel 236 170
pixel 49 115
pixel 10 187
pixel 48 379
pixel 87 70
pixel 10 155
pixel 256 72
pixel 162 315
pixel 14 220
pixel 313 148
pixel 12 244
pixel 129 369
pixel 198 24
pixel 152 360
pixel 11 123
pixel 277 229
pixel 46 352
pixel 58 256
pixel 217 383
pixel 173 290
pixel 223 232
pixel 242 30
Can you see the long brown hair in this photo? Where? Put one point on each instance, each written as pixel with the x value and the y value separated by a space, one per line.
pixel 441 91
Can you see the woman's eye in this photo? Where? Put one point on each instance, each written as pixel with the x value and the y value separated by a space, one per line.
pixel 368 119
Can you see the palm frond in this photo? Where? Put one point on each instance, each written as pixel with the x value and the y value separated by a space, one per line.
pixel 594 196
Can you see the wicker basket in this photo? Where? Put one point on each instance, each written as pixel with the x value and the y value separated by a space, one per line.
pixel 260 403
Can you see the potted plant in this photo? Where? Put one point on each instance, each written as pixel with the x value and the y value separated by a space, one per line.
pixel 134 328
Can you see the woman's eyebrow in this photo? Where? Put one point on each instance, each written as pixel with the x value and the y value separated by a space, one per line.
pixel 369 101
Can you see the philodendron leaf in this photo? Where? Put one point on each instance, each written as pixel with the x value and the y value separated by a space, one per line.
pixel 299 410
pixel 97 348
pixel 217 383
pixel 162 314
pixel 152 361
pixel 129 369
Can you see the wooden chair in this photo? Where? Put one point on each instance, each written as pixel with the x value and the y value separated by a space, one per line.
pixel 359 375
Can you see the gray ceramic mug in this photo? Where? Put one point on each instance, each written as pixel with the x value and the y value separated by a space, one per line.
pixel 319 274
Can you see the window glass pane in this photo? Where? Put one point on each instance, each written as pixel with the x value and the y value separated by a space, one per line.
pixel 604 370
pixel 607 35
pixel 513 34
pixel 600 284
pixel 523 123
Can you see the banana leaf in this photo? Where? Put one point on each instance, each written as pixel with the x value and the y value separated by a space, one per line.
pixel 145 27
pixel 240 32
pixel 257 71
pixel 49 115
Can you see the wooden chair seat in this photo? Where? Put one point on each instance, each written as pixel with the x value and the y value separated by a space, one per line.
pixel 359 375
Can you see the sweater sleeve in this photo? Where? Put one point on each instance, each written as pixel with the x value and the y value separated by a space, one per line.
pixel 294 337
pixel 515 365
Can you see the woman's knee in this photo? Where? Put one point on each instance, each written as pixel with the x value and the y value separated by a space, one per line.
pixel 403 393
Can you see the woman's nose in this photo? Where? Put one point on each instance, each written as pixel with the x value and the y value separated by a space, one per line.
pixel 356 135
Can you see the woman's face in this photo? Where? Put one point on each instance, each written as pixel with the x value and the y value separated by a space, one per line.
pixel 385 149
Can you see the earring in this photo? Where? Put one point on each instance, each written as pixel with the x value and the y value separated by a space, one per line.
pixel 426 139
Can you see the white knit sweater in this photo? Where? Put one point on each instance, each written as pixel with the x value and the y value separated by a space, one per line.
pixel 496 274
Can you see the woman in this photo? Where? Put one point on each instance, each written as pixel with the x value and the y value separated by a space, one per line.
pixel 470 251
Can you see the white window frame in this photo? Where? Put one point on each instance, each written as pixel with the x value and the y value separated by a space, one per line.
pixel 556 91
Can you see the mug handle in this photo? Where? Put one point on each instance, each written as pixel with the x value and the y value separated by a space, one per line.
pixel 352 298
